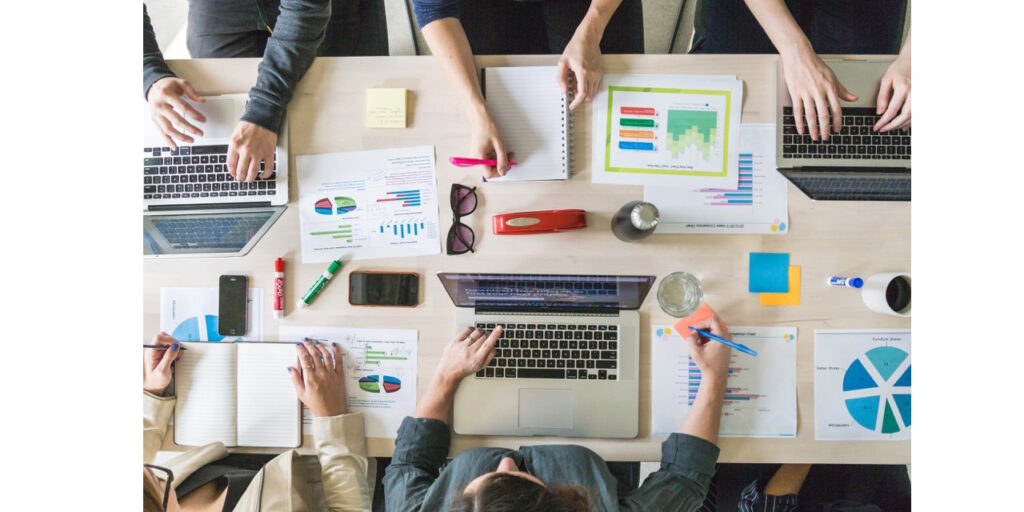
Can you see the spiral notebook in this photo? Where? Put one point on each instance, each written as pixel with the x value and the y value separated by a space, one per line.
pixel 534 118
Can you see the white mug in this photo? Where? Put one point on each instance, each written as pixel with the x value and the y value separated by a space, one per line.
pixel 874 290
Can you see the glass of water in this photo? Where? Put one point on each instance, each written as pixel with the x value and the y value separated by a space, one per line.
pixel 680 294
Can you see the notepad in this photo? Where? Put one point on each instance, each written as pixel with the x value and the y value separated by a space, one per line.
pixel 769 272
pixel 237 393
pixel 790 298
pixel 534 118
pixel 385 108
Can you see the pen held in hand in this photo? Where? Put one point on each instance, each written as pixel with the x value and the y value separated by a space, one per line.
pixel 469 162
pixel 742 348
pixel 162 347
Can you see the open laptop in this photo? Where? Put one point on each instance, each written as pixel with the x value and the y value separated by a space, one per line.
pixel 858 164
pixel 191 205
pixel 567 363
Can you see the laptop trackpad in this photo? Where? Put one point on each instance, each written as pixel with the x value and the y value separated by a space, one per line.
pixel 545 408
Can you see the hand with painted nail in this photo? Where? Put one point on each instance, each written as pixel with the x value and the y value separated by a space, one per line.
pixel 156 364
pixel 470 351
pixel 487 144
pixel 319 378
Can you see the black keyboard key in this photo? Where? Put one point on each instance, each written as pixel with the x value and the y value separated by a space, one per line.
pixel 510 372
pixel 612 336
pixel 613 345
pixel 611 376
pixel 543 343
pixel 150 170
pixel 602 374
pixel 149 189
pixel 604 364
pixel 608 354
pixel 499 372
pixel 480 373
pixel 587 335
pixel 547 373
pixel 489 372
pixel 209 150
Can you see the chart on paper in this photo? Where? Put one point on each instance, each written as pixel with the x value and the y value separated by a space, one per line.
pixel 191 314
pixel 368 204
pixel 862 385
pixel 760 394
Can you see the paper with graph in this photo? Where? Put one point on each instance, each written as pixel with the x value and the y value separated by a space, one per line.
pixel 667 130
pixel 380 373
pixel 368 204
pixel 760 393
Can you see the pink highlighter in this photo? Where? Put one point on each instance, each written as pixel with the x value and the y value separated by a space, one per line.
pixel 459 161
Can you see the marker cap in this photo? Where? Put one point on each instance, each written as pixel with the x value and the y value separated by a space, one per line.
pixel 279 265
pixel 333 267
pixel 300 304
pixel 856 282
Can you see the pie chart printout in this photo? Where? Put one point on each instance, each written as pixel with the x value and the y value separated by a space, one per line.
pixel 373 383
pixel 881 411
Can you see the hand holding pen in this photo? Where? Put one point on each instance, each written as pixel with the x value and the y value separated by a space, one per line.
pixel 156 363
pixel 711 356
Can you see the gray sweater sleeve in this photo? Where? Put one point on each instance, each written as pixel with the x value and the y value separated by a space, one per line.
pixel 153 66
pixel 687 465
pixel 299 29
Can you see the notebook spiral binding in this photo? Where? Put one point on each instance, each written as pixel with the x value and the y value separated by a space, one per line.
pixel 567 145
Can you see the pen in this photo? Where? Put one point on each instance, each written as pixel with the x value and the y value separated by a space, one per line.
pixel 319 284
pixel 279 288
pixel 742 348
pixel 162 347
pixel 459 161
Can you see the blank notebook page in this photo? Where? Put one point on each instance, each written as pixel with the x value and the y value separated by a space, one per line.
pixel 268 410
pixel 204 380
pixel 530 111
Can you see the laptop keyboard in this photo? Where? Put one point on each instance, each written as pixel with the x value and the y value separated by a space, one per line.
pixel 198 233
pixel 554 351
pixel 856 139
pixel 196 171
pixel 838 188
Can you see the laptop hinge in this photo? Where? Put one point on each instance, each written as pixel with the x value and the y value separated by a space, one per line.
pixel 815 168
pixel 205 206
pixel 528 310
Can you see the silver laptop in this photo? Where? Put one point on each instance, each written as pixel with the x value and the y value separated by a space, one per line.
pixel 568 361
pixel 191 205
pixel 856 164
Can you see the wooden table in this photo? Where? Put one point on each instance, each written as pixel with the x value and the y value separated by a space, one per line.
pixel 327 115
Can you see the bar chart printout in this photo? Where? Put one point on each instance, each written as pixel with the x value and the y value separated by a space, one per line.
pixel 383 204
pixel 760 395
pixel 667 129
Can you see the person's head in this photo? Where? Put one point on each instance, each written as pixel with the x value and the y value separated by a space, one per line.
pixel 507 489
pixel 154 486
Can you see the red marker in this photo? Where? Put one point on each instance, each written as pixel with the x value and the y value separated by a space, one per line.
pixel 279 288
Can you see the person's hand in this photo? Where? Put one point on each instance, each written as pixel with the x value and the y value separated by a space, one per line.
pixel 156 363
pixel 894 96
pixel 320 382
pixel 814 89
pixel 249 145
pixel 582 56
pixel 712 357
pixel 469 352
pixel 487 144
pixel 166 95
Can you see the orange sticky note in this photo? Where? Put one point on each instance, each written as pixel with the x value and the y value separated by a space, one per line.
pixel 790 298
pixel 704 312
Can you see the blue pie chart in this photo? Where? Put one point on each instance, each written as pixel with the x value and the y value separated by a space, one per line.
pixel 190 330
pixel 881 411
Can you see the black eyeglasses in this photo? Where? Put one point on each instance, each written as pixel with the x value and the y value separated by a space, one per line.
pixel 167 481
pixel 461 236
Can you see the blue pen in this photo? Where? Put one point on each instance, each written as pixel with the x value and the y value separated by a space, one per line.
pixel 742 348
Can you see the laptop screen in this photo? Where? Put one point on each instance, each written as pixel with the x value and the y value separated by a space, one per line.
pixel 528 291
pixel 203 233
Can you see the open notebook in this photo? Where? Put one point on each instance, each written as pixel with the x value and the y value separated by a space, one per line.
pixel 534 119
pixel 237 393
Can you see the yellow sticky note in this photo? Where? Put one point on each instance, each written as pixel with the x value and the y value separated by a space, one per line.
pixel 385 108
pixel 790 298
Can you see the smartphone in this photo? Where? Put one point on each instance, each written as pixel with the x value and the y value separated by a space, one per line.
pixel 367 288
pixel 232 298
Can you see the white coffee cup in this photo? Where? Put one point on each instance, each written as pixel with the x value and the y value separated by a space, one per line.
pixel 874 293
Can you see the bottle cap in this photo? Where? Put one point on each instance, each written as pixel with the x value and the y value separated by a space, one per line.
pixel 644 216
pixel 279 265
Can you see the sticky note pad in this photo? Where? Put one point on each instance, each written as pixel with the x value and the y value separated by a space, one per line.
pixel 769 272
pixel 790 298
pixel 682 326
pixel 385 108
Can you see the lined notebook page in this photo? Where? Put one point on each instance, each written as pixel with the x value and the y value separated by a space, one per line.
pixel 531 113
pixel 268 410
pixel 204 380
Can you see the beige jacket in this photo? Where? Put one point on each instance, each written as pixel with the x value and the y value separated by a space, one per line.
pixel 284 483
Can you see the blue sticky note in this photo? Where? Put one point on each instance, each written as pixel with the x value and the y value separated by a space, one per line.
pixel 769 272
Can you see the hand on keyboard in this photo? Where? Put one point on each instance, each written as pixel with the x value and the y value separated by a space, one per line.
pixel 470 350
pixel 894 94
pixel 164 97
pixel 251 152
pixel 815 91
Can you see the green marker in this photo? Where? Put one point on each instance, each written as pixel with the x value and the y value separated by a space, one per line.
pixel 319 284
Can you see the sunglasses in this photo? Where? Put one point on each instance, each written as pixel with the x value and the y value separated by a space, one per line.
pixel 461 236
pixel 168 477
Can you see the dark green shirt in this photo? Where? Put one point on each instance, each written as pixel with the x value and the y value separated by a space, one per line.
pixel 418 478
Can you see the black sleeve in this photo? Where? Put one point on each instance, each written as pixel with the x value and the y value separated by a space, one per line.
pixel 153 66
pixel 420 450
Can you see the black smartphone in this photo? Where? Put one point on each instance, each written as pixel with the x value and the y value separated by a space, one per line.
pixel 234 291
pixel 383 288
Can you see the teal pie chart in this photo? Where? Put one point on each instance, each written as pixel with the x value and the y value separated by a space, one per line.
pixel 191 330
pixel 883 405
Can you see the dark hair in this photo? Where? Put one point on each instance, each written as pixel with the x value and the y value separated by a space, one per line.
pixel 510 493
pixel 152 493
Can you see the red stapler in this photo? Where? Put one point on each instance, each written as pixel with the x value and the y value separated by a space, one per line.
pixel 547 221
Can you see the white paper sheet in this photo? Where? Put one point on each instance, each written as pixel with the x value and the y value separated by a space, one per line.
pixel 759 205
pixel 190 314
pixel 207 416
pixel 677 130
pixel 368 204
pixel 370 355
pixel 268 410
pixel 760 398
pixel 862 384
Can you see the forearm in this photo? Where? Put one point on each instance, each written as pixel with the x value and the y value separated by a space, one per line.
pixel 290 51
pixel 436 403
pixel 781 27
pixel 787 480
pixel 341 448
pixel 597 18
pixel 705 414
pixel 448 43
pixel 153 65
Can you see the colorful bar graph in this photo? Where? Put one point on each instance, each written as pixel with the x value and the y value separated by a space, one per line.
pixel 407 197
pixel 697 128
pixel 637 111
pixel 642 146
pixel 646 123
pixel 636 134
